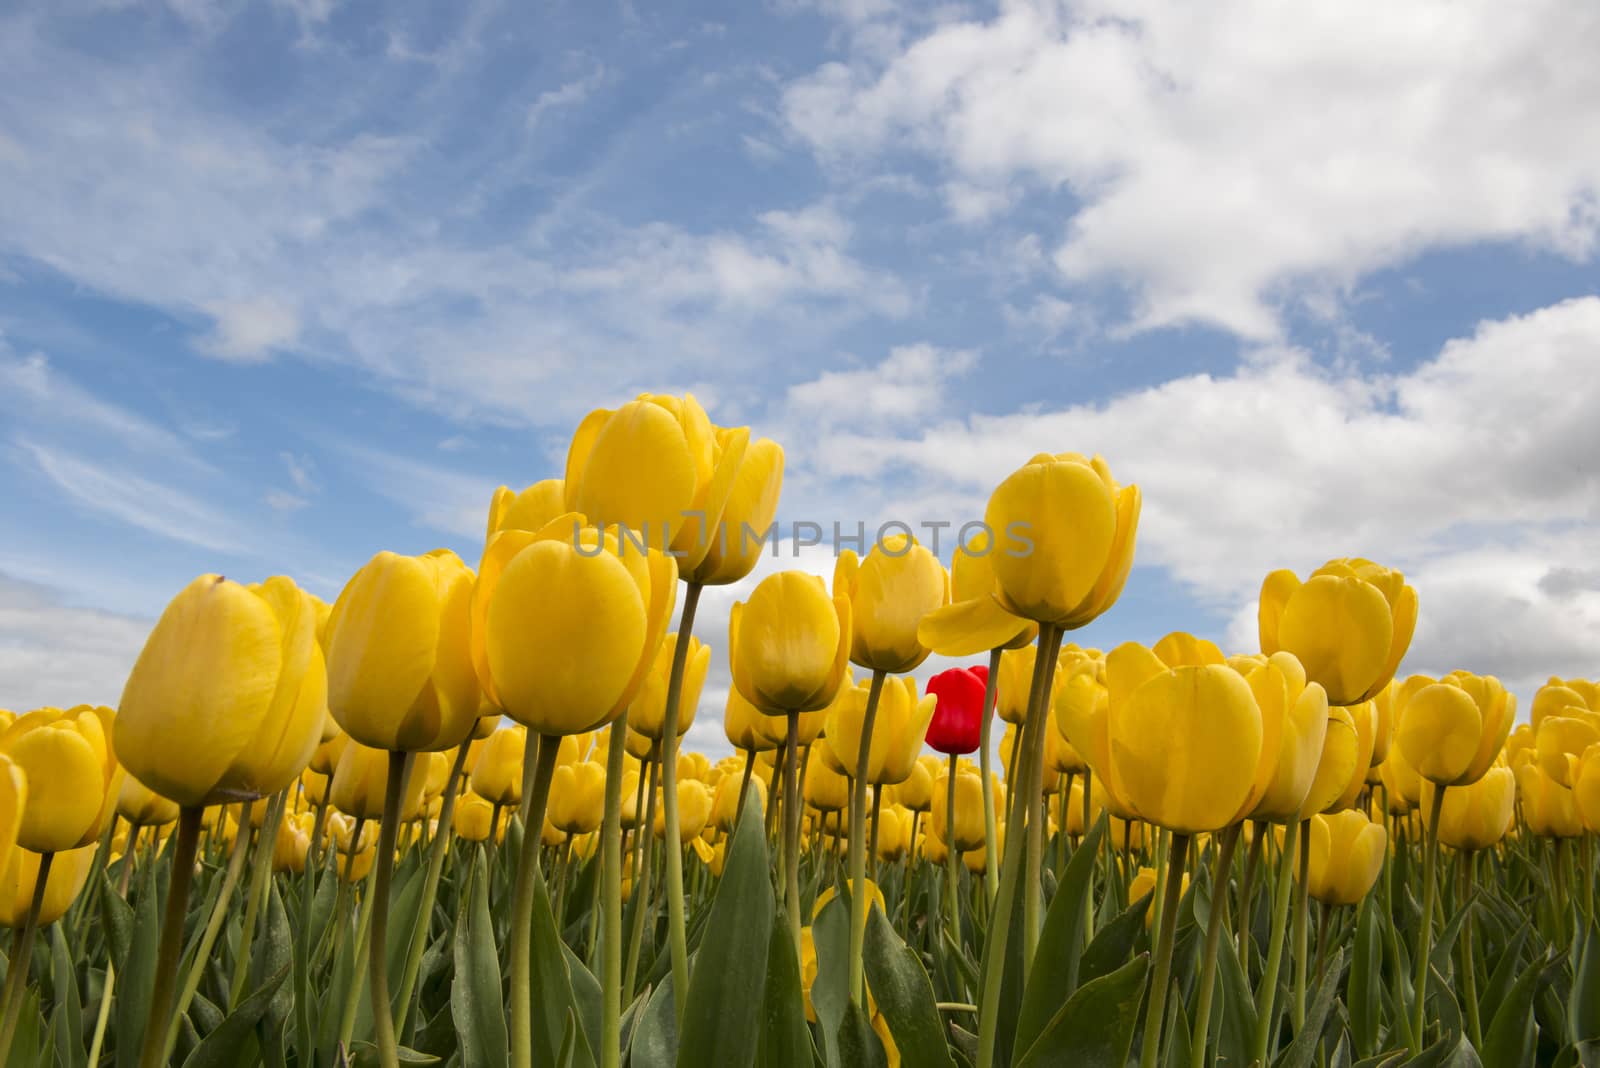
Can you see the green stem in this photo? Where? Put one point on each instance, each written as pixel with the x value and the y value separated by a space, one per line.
pixel 744 786
pixel 1208 962
pixel 676 924
pixel 1038 706
pixel 260 873
pixel 951 859
pixel 1088 898
pixel 1430 860
pixel 1267 992
pixel 522 915
pixel 1300 911
pixel 378 962
pixel 791 827
pixel 640 898
pixel 155 1028
pixel 208 938
pixel 1247 889
pixel 859 898
pixel 1469 969
pixel 358 978
pixel 430 888
pixel 1156 1013
pixel 991 845
pixel 611 878
pixel 103 1015
pixel 21 958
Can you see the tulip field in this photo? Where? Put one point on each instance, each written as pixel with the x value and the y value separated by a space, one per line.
pixel 448 820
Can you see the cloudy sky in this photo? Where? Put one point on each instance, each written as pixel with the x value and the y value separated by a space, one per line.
pixel 285 284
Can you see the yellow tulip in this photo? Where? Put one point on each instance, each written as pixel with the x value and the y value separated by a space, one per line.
pixel 1014 683
pixel 400 673
pixel 227 699
pixel 1451 730
pixel 497 776
pixel 647 713
pixel 900 725
pixel 968 825
pixel 291 845
pixel 874 897
pixel 325 757
pixel 1559 739
pixel 566 623
pixel 69 870
pixel 1349 624
pixel 1558 696
pixel 916 791
pixel 532 509
pixel 1065 533
pixel 736 543
pixel 725 800
pixel 1585 789
pixel 1144 882
pixel 358 784
pixel 889 592
pixel 73 777
pixel 1183 742
pixel 143 807
pixel 894 833
pixel 694 811
pixel 825 788
pixel 1474 817
pixel 658 466
pixel 1548 807
pixel 472 818
pixel 1346 855
pixel 973 622
pixel 1294 723
pixel 1341 763
pixel 789 645
pixel 577 797
pixel 741 723
pixel 1081 701
pixel 13 799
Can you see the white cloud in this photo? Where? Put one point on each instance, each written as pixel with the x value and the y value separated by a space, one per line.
pixel 300 470
pixel 283 501
pixel 248 330
pixel 1219 154
pixel 52 653
pixel 569 95
pixel 907 387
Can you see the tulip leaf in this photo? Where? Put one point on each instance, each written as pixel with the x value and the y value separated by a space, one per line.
pixel 552 986
pixel 1505 974
pixel 1365 979
pixel 785 1039
pixel 859 1046
pixel 1055 964
pixel 588 1000
pixel 1583 1005
pixel 475 999
pixel 654 1043
pixel 717 1026
pixel 221 1048
pixel 1114 944
pixel 1512 1031
pixel 1390 1059
pixel 830 990
pixel 1178 1034
pixel 67 1019
pixel 274 950
pixel 1303 1050
pixel 136 972
pixel 1236 1025
pixel 904 995
pixel 1094 1029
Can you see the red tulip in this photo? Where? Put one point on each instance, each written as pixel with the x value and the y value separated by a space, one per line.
pixel 958 716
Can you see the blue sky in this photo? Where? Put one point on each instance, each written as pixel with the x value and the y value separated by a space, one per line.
pixel 284 284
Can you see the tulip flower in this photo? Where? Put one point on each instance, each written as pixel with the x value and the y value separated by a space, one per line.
pixel 967 828
pixel 1585 789
pixel 916 791
pixel 1346 855
pixel 825 788
pixel 958 711
pixel 360 783
pixel 727 803
pixel 901 723
pixel 1294 721
pixel 1474 817
pixel 973 621
pixel 473 819
pixel 530 510
pixel 646 715
pixel 13 799
pixel 142 806
pixel 73 776
pixel 741 721
pixel 694 805
pixel 1349 624
pixel 736 541
pixel 226 700
pixel 69 871
pixel 1558 697
pixel 1559 739
pixel 1547 806
pixel 1451 729
pixel 577 797
pixel 889 592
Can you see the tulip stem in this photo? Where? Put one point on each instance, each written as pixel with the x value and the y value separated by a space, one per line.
pixel 1301 908
pixel 639 898
pixel 1247 888
pixel 1039 708
pixel 611 903
pixel 1430 859
pixel 1088 898
pixel 378 963
pixel 859 898
pixel 1208 961
pixel 21 957
pixel 522 916
pixel 155 1028
pixel 430 888
pixel 952 876
pixel 999 922
pixel 208 938
pixel 676 924
pixel 791 827
pixel 872 838
pixel 991 847
pixel 1156 1013
pixel 260 872
pixel 1469 970
pixel 744 786
pixel 1267 992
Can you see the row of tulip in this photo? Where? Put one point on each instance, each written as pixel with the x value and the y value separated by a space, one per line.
pixel 305 835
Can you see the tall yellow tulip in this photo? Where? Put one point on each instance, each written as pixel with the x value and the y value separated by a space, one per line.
pixel 901 723
pixel 890 591
pixel 73 776
pixel 647 713
pixel 1349 624
pixel 1451 729
pixel 789 644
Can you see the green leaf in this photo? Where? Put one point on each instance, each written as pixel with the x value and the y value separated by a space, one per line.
pixel 67 1020
pixel 475 999
pixel 1512 1032
pixel 1583 1006
pixel 1094 1029
pixel 904 995
pixel 859 1046
pixel 588 1001
pixel 830 990
pixel 1505 973
pixel 274 950
pixel 655 1037
pixel 1392 1059
pixel 718 1027
pixel 1114 944
pixel 1303 1050
pixel 1178 1034
pixel 1237 1030
pixel 552 986
pixel 785 1039
pixel 136 971
pixel 220 1049
pixel 1366 980
pixel 1055 964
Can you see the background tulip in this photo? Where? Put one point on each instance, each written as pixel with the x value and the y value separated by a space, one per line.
pixel 1474 817
pixel 646 714
pixel 889 592
pixel 789 644
pixel 973 621
pixel 69 870
pixel 901 722
pixel 497 775
pixel 73 776
pixel 532 509
pixel 1350 624
pixel 966 830
pixel 958 710
pixel 1452 729
pixel 736 543
pixel 1347 852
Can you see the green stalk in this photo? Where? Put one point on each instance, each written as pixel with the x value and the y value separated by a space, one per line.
pixel 859 898
pixel 1300 911
pixel 952 876
pixel 744 785
pixel 522 914
pixel 21 958
pixel 208 939
pixel 611 878
pixel 1156 1013
pixel 1039 706
pixel 358 978
pixel 1267 992
pixel 260 873
pixel 1088 898
pixel 378 963
pixel 791 828
pixel 1247 889
pixel 991 847
pixel 1430 860
pixel 676 930
pixel 645 879
pixel 155 1028
pixel 1208 962
pixel 430 888
pixel 103 1016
